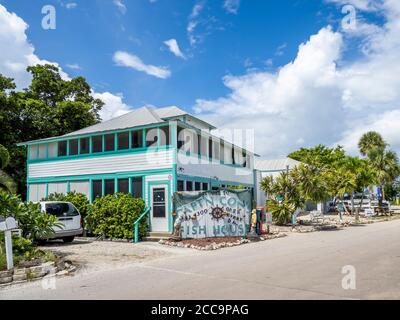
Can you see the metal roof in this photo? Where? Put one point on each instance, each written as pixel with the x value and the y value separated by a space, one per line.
pixel 136 118
pixel 275 164
pixel 170 112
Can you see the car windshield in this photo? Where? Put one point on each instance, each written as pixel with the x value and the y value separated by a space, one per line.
pixel 61 209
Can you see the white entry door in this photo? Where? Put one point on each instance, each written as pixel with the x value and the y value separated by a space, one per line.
pixel 159 208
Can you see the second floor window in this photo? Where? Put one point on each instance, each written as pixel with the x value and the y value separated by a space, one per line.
pixel 151 138
pixel 73 147
pixel 164 136
pixel 97 144
pixel 62 148
pixel 123 141
pixel 84 146
pixel 137 139
pixel 109 142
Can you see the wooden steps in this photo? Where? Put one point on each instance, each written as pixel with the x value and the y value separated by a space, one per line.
pixel 157 236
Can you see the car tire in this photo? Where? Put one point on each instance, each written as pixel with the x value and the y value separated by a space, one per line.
pixel 68 239
pixel 41 242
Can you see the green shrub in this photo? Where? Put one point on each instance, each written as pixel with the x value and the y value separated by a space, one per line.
pixel 23 250
pixel 113 216
pixel 281 211
pixel 34 223
pixel 79 200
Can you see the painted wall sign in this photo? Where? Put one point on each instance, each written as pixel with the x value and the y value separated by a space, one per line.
pixel 212 214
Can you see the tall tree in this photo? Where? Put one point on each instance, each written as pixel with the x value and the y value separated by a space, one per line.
pixel 386 166
pixel 313 174
pixel 370 141
pixel 50 106
pixel 384 162
pixel 7 184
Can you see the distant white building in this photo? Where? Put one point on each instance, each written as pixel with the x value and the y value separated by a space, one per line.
pixel 264 168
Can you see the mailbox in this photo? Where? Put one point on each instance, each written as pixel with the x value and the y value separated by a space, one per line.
pixel 8 224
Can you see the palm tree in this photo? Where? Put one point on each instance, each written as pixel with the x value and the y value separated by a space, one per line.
pixel 311 182
pixel 7 184
pixel 370 141
pixel 387 167
pixel 283 197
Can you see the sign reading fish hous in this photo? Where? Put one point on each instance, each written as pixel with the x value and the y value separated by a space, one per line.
pixel 212 214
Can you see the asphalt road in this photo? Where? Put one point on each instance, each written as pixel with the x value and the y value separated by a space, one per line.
pixel 300 266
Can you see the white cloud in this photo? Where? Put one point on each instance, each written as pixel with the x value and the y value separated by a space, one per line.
pixel 20 54
pixel 114 105
pixel 120 5
pixel 364 5
pixel 281 49
pixel 74 66
pixel 320 97
pixel 126 59
pixel 284 107
pixel 71 5
pixel 17 53
pixel 193 22
pixel 196 10
pixel 173 46
pixel 232 6
pixel 386 123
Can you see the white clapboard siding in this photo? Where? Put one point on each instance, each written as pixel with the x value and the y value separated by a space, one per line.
pixel 37 192
pixel 103 165
pixel 57 187
pixel 192 166
pixel 80 187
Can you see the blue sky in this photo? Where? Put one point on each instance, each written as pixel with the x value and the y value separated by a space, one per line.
pixel 286 69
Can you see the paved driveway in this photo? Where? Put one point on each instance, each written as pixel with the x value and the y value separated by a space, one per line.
pixel 300 266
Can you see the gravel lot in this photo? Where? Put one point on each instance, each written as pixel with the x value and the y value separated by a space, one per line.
pixel 90 255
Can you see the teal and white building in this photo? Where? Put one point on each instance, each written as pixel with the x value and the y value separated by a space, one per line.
pixel 148 152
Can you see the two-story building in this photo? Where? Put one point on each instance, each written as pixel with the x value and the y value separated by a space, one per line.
pixel 148 152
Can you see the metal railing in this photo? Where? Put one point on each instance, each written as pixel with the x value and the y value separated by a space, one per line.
pixel 136 224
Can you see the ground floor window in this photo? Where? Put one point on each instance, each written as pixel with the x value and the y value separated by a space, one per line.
pixel 205 186
pixel 123 185
pixel 109 187
pixel 181 185
pixel 137 187
pixel 189 186
pixel 97 189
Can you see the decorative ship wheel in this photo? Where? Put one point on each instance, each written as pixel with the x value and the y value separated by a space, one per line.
pixel 217 213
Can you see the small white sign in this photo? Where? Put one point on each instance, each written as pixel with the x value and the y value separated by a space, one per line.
pixel 369 212
pixel 268 216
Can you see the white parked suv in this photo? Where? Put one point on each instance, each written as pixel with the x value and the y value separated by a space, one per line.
pixel 68 215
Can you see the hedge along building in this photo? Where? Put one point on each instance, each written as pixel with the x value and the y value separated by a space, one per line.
pixel 148 152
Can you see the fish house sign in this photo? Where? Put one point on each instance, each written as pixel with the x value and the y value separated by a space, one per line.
pixel 212 214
